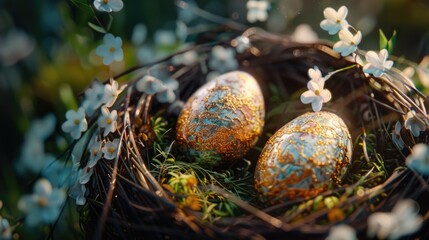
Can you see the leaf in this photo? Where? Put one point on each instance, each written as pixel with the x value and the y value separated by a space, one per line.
pixel 81 4
pixel 97 28
pixel 383 40
pixel 109 23
pixel 220 213
pixel 391 42
pixel 67 97
pixel 385 43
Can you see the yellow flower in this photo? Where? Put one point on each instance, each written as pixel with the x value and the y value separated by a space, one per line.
pixel 193 202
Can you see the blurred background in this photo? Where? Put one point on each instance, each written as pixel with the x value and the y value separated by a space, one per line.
pixel 47 52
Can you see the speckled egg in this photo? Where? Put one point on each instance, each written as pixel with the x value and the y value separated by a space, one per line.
pixel 222 120
pixel 303 157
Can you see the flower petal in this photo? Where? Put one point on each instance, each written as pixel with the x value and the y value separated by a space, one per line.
pixel 116 5
pixel 388 65
pixel 316 105
pixel 313 86
pixel 330 13
pixel 339 47
pixel 42 187
pixel 326 95
pixel 346 35
pixel 56 198
pixel 166 96
pixel 342 12
pixel 307 97
pixel 70 114
pixel 314 73
pixel 33 218
pixel 108 38
pixel 119 55
pixel 383 55
pixel 372 57
pixel 108 59
pixel 357 38
pixel 75 133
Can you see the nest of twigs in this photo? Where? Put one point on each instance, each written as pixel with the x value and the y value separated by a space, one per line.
pixel 135 196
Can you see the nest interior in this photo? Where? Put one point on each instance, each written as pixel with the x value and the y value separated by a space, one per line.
pixel 134 197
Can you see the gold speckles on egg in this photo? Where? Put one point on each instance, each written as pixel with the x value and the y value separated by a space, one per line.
pixel 303 157
pixel 222 119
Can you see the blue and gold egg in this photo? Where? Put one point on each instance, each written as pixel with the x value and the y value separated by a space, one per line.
pixel 223 119
pixel 303 157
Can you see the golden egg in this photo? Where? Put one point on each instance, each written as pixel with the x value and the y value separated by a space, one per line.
pixel 303 157
pixel 222 120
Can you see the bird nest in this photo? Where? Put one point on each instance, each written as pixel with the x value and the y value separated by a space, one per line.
pixel 152 189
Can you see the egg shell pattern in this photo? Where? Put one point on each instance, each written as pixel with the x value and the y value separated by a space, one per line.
pixel 303 157
pixel 222 120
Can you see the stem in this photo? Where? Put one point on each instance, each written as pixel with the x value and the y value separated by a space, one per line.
pixel 329 75
pixel 353 28
pixel 96 18
pixel 211 17
pixel 110 72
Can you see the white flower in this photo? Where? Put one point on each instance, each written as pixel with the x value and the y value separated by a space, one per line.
pixel 241 43
pixel 43 206
pixel 402 221
pixel 377 63
pixel 94 153
pixel 57 172
pixel 414 123
pixel 405 83
pixel 257 10
pixel 418 160
pixel 139 34
pixel 78 191
pixel 84 174
pixel 93 97
pixel 107 120
pixel 222 59
pixel 423 71
pixel 181 31
pixel 5 229
pixel 334 21
pixel 110 149
pixel 409 72
pixel 342 232
pixel 16 45
pixel 149 85
pixel 187 58
pixel 171 83
pixel 348 43
pixel 79 149
pixel 212 75
pixel 108 5
pixel 176 107
pixel 111 49
pixel 315 75
pixel 396 136
pixel 163 88
pixel 75 123
pixel 33 156
pixel 304 34
pixel 357 58
pixel 146 54
pixel 111 93
pixel 167 94
pixel 42 128
pixel 185 12
pixel 315 94
pixel 164 37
